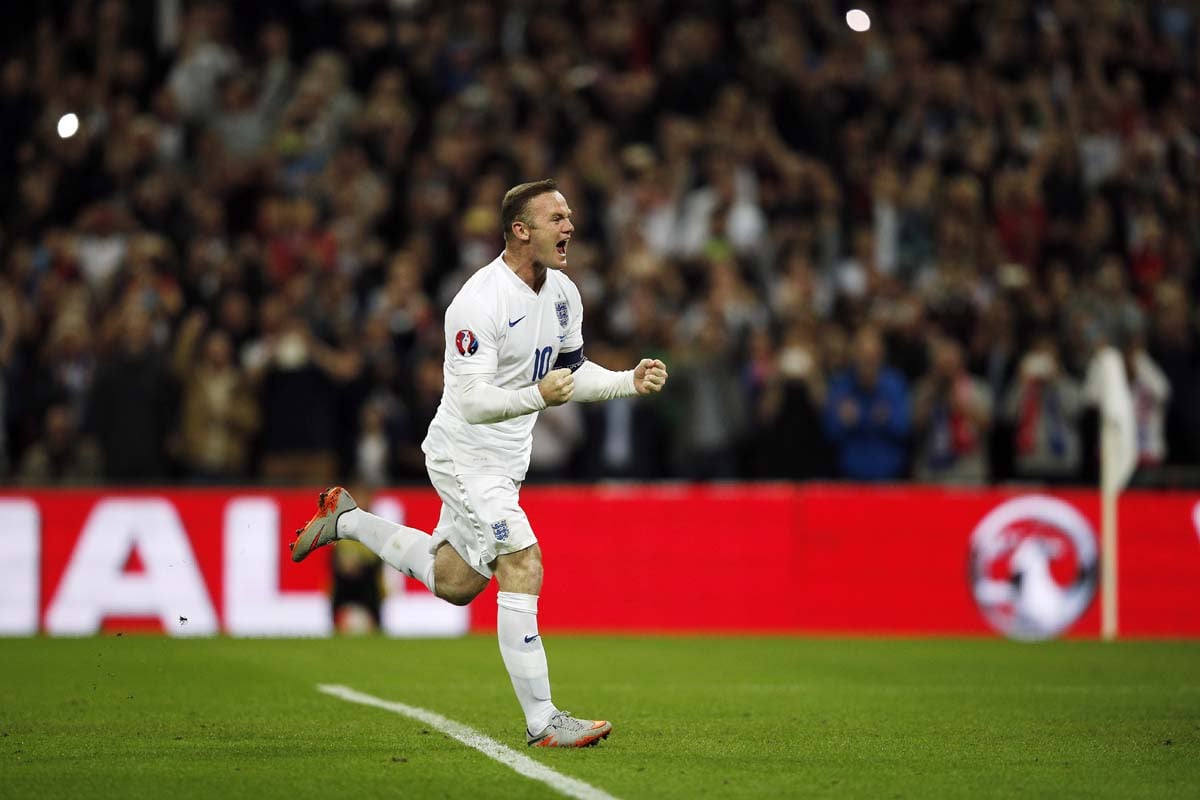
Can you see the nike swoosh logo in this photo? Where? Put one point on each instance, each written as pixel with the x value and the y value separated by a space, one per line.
pixel 515 321
pixel 529 639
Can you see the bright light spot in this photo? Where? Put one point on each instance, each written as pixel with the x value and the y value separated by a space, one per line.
pixel 68 125
pixel 858 20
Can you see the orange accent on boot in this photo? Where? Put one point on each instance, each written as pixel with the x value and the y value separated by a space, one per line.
pixel 329 498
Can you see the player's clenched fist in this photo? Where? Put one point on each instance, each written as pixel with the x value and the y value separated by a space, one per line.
pixel 557 387
pixel 650 375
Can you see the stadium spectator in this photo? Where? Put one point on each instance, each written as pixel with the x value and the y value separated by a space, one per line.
pixel 203 58
pixel 299 439
pixel 952 415
pixel 1175 346
pixel 60 456
pixel 12 324
pixel 723 209
pixel 788 440
pixel 1151 393
pixel 373 450
pixel 623 439
pixel 1043 405
pixel 420 403
pixel 868 415
pixel 357 595
pixel 711 417
pixel 132 402
pixel 218 410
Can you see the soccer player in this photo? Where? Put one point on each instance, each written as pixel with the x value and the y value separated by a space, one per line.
pixel 514 345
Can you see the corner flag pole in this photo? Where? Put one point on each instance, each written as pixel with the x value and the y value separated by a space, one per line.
pixel 1108 537
pixel 1118 458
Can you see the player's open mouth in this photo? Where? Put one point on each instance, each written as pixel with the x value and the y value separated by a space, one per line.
pixel 561 247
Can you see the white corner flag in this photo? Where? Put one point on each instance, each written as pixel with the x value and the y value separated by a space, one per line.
pixel 1118 458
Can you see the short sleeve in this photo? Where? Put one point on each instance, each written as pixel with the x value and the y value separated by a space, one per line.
pixel 471 340
pixel 573 339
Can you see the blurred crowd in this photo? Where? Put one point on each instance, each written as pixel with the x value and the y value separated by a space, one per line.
pixel 872 256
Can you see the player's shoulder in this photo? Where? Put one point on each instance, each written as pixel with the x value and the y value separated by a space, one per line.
pixel 481 289
pixel 482 279
pixel 562 282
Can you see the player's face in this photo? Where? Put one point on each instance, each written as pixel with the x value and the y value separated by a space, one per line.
pixel 551 232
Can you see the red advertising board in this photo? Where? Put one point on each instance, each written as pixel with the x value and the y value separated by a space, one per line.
pixel 736 558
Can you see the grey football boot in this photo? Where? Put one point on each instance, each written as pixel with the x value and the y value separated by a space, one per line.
pixel 566 731
pixel 322 528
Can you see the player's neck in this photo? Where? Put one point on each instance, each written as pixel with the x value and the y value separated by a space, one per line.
pixel 531 273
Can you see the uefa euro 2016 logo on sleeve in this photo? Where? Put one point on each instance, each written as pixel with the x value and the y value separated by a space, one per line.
pixel 1033 567
pixel 500 530
pixel 466 343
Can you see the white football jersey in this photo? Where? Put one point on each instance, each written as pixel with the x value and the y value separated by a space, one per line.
pixel 499 328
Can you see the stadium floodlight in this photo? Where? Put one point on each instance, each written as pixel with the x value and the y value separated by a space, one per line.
pixel 68 125
pixel 858 20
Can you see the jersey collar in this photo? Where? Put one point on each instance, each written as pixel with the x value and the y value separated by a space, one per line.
pixel 512 276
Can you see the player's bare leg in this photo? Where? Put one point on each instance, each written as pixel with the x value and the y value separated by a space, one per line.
pixel 456 581
pixel 520 577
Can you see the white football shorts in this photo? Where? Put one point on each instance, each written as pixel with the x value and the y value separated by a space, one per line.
pixel 481 517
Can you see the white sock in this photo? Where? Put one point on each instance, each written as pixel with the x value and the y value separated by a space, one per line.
pixel 524 657
pixel 405 549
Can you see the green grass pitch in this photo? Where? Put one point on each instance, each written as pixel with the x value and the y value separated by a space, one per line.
pixel 135 716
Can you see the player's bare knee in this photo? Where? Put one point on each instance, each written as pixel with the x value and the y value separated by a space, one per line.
pixel 454 581
pixel 456 595
pixel 521 571
pixel 459 589
pixel 533 572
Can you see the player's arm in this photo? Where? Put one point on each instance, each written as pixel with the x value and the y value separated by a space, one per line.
pixel 482 401
pixel 594 383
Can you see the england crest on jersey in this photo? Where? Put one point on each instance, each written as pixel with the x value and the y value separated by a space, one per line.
pixel 560 308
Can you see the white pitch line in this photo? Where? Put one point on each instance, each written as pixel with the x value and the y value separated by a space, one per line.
pixel 518 762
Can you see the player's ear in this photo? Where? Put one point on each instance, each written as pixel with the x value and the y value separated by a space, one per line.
pixel 520 230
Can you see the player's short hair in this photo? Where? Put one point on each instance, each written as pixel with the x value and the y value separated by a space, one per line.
pixel 516 202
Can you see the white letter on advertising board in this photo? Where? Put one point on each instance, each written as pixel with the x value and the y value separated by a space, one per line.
pixel 96 585
pixel 254 606
pixel 20 541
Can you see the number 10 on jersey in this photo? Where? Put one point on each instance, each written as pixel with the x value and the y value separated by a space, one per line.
pixel 541 363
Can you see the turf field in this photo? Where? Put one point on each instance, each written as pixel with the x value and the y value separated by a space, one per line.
pixel 717 717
